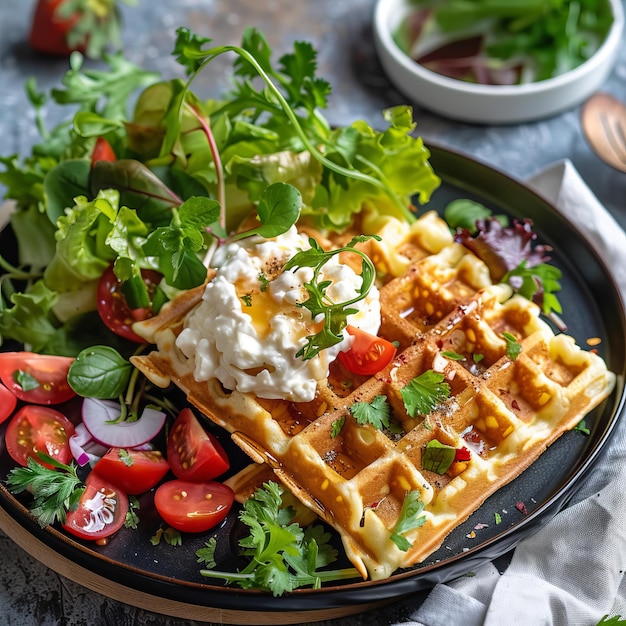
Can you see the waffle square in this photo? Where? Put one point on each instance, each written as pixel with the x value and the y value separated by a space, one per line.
pixel 505 411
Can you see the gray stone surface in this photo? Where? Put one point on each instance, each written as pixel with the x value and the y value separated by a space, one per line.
pixel 30 593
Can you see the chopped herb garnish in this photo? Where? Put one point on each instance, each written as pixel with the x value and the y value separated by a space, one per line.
pixel 582 427
pixel 336 426
pixel 247 299
pixel 376 413
pixel 55 491
pixel 132 519
pixel 264 280
pixel 497 517
pixel 513 346
pixel 409 519
pixel 424 392
pixel 452 355
pixel 168 534
pixel 25 380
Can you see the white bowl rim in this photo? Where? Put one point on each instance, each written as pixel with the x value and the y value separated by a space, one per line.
pixel 611 42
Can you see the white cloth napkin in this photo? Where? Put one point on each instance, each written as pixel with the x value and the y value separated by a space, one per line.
pixel 572 571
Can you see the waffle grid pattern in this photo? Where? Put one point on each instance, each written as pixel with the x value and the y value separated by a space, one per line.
pixel 505 412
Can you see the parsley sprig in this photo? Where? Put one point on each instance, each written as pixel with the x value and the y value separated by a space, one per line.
pixel 334 314
pixel 282 555
pixel 55 490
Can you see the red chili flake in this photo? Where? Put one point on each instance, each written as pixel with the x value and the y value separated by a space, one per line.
pixel 521 507
pixel 462 454
pixel 515 405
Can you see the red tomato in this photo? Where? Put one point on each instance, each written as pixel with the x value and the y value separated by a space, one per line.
pixel 102 151
pixel 193 507
pixel 48 33
pixel 36 429
pixel 101 510
pixel 113 308
pixel 133 471
pixel 36 378
pixel 193 453
pixel 8 401
pixel 368 355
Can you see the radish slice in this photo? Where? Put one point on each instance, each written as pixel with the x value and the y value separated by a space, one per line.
pixel 85 449
pixel 98 416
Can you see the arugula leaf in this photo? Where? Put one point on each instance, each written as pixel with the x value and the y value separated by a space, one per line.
pixel 424 392
pixel 375 413
pixel 282 556
pixel 409 519
pixel 334 314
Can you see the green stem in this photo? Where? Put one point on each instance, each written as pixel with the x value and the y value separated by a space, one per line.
pixel 212 53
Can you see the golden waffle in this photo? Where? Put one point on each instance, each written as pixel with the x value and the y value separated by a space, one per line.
pixel 506 412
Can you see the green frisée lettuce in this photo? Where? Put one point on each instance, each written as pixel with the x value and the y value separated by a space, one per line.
pixel 186 173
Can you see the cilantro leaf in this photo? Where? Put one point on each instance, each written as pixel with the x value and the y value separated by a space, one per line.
pixel 422 394
pixel 375 413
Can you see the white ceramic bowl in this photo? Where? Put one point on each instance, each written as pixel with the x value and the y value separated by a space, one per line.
pixel 490 104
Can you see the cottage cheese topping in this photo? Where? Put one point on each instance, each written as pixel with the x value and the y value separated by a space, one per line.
pixel 246 331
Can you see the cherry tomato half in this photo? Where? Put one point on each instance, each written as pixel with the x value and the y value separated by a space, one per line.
pixel 193 453
pixel 36 378
pixel 102 151
pixel 368 354
pixel 133 471
pixel 36 429
pixel 113 307
pixel 193 507
pixel 8 402
pixel 101 510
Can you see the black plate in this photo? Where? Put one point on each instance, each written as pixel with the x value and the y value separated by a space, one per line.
pixel 173 573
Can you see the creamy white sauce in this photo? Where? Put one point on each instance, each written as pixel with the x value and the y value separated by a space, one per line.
pixel 246 333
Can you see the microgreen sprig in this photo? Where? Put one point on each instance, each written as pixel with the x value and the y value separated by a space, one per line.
pixel 334 314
